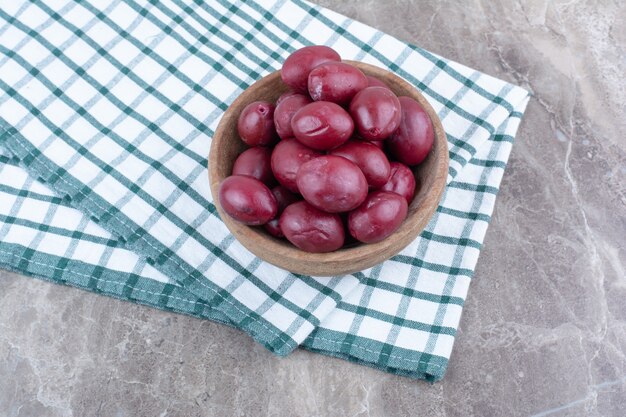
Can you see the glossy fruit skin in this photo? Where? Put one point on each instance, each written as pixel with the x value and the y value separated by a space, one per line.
pixel 284 198
pixel 284 112
pixel 284 95
pixel 310 229
pixel 370 159
pixel 332 183
pixel 273 228
pixel 255 162
pixel 322 125
pixel 413 140
pixel 336 81
pixel 380 144
pixel 256 124
pixel 375 82
pixel 287 157
pixel 296 68
pixel 401 181
pixel 378 217
pixel 376 113
pixel 247 200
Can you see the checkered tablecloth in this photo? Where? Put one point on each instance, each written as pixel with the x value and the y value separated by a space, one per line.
pixel 106 119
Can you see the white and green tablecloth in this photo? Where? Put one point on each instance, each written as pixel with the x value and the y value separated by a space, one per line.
pixel 106 117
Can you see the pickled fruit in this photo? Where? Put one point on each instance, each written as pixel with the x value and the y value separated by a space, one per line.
pixel 247 200
pixel 378 217
pixel 332 183
pixel 322 125
pixel 310 229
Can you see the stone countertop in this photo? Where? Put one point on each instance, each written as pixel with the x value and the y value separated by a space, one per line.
pixel 544 328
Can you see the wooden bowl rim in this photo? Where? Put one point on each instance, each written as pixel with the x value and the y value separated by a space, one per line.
pixel 346 260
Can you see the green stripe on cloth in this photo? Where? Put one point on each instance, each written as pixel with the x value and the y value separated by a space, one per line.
pixel 353 347
pixel 84 197
pixel 107 117
pixel 135 189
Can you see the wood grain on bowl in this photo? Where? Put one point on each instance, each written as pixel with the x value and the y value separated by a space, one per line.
pixel 430 175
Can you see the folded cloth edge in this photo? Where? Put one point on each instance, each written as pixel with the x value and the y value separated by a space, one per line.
pixel 430 370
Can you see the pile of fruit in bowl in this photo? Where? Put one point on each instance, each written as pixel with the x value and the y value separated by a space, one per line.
pixel 329 163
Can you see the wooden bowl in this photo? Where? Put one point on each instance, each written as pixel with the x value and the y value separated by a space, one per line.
pixel 430 177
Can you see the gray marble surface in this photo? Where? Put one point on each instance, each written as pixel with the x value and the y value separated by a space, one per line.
pixel 544 329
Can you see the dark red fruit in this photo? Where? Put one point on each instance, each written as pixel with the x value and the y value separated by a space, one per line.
pixel 413 140
pixel 370 159
pixel 256 124
pixel 284 95
pixel 376 113
pixel 285 111
pixel 322 125
pixel 380 144
pixel 401 181
pixel 336 81
pixel 310 229
pixel 247 200
pixel 287 157
pixel 375 82
pixel 255 162
pixel 273 228
pixel 298 65
pixel 284 197
pixel 378 217
pixel 332 183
